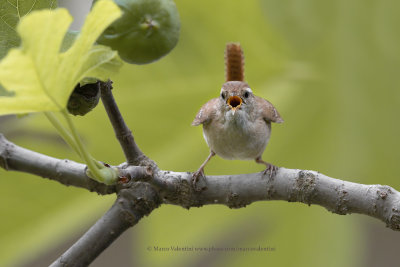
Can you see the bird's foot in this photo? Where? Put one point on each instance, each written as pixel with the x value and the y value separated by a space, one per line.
pixel 270 170
pixel 198 181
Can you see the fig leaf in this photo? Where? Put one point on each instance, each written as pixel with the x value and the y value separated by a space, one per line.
pixel 40 76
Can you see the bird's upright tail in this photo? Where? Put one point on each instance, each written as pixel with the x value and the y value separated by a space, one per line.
pixel 234 62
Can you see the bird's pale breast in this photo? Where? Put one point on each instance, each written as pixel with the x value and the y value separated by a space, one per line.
pixel 237 136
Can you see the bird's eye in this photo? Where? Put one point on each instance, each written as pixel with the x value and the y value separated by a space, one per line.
pixel 222 95
pixel 247 92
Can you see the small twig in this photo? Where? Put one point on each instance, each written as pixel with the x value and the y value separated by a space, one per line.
pixel 133 154
pixel 67 172
pixel 130 206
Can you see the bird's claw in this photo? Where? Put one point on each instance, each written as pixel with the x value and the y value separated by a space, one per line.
pixel 196 176
pixel 198 181
pixel 271 170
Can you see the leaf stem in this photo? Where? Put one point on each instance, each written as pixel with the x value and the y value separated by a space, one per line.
pixel 97 170
pixel 62 131
pixel 67 136
pixel 94 169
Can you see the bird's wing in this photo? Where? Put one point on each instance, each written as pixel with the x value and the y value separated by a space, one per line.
pixel 206 113
pixel 268 111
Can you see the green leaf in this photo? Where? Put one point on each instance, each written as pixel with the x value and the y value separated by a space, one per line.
pixel 40 75
pixel 11 11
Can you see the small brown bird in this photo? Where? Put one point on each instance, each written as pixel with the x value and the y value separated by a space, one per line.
pixel 237 124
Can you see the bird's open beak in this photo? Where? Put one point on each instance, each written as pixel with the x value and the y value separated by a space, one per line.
pixel 234 103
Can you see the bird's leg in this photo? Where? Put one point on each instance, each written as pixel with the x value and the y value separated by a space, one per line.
pixel 270 170
pixel 200 171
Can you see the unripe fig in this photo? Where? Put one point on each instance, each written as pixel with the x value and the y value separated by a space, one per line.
pixel 147 30
pixel 84 98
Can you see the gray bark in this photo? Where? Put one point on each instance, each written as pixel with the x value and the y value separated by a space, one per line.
pixel 130 206
pixel 132 152
pixel 235 191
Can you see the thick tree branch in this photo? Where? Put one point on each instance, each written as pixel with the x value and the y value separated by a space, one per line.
pixel 235 191
pixel 130 206
pixel 133 154
pixel 309 187
pixel 143 188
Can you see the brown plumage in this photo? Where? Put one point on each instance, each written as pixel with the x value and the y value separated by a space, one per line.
pixel 208 111
pixel 234 62
pixel 237 124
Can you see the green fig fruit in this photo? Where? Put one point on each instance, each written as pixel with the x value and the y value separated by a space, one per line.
pixel 147 30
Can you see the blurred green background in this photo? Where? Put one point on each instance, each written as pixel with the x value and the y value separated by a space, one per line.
pixel 330 68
